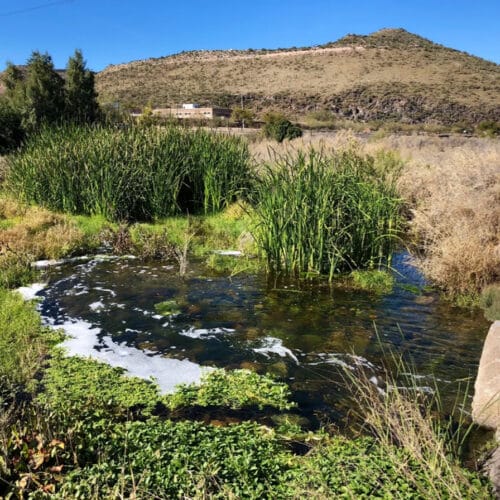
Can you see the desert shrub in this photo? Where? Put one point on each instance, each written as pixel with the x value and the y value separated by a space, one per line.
pixel 453 196
pixel 131 173
pixel 489 128
pixel 279 128
pixel 319 214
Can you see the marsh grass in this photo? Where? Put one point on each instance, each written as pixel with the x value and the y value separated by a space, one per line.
pixel 402 416
pixel 131 173
pixel 320 214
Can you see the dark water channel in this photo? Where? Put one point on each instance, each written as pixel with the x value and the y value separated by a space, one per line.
pixel 305 336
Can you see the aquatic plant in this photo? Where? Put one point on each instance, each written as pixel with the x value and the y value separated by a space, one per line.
pixel 321 214
pixel 373 280
pixel 90 434
pixel 130 173
pixel 233 389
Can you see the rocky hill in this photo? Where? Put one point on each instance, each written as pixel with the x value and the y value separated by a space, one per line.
pixel 388 75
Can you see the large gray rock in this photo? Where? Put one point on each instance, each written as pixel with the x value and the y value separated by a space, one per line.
pixel 486 402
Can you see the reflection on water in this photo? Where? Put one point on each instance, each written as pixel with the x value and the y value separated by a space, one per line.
pixel 305 336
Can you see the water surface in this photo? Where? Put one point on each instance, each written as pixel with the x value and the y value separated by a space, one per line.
pixel 304 336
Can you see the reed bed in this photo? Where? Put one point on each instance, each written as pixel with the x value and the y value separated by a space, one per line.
pixel 131 173
pixel 321 214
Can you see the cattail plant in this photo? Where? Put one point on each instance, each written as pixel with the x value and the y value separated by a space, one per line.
pixel 321 215
pixel 131 173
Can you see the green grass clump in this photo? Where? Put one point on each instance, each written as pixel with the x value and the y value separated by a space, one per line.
pixel 167 308
pixel 490 302
pixel 373 280
pixel 15 270
pixel 321 215
pixel 131 173
pixel 233 389
pixel 23 341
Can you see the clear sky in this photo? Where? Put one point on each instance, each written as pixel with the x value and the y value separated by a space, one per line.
pixel 116 31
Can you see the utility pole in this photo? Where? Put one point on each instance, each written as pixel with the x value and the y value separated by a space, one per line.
pixel 243 115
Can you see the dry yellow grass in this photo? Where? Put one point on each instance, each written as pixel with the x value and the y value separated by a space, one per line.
pixel 452 188
pixel 36 232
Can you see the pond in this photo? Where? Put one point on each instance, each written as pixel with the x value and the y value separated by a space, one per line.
pixel 305 334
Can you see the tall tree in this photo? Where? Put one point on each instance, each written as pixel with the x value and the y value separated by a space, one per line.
pixel 13 79
pixel 81 97
pixel 43 92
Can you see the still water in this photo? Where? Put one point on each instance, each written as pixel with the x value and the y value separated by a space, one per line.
pixel 305 335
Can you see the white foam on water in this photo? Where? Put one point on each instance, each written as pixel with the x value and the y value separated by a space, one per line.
pixel 101 289
pixel 345 360
pixel 118 306
pixel 229 253
pixel 29 292
pixel 43 264
pixel 97 306
pixel 272 345
pixel 78 290
pixel 83 340
pixel 204 333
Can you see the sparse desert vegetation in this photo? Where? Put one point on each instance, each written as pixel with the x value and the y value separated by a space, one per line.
pixel 398 76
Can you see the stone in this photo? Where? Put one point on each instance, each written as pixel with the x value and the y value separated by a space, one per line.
pixel 486 402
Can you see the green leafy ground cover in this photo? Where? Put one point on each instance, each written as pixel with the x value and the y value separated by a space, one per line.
pixel 88 431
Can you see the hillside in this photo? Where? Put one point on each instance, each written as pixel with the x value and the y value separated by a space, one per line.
pixel 390 74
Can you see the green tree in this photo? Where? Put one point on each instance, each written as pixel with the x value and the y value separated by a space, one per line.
pixel 43 97
pixel 279 128
pixel 13 79
pixel 243 116
pixel 11 130
pixel 81 97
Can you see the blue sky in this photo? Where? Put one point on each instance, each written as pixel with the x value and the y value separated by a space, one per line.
pixel 115 31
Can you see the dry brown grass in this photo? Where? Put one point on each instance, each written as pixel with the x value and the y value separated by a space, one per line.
pixel 36 232
pixel 454 194
pixel 406 417
pixel 452 187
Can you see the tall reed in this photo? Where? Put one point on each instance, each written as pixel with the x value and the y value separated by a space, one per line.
pixel 405 421
pixel 321 215
pixel 131 173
